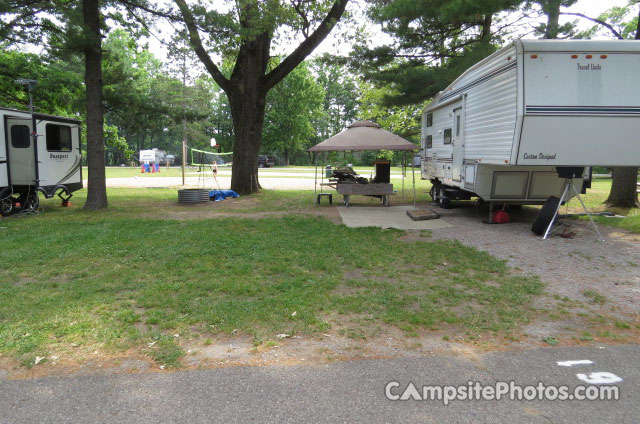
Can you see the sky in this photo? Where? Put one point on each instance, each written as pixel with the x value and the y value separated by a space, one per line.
pixel 335 42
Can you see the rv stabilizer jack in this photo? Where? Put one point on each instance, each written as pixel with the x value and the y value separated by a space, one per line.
pixel 65 200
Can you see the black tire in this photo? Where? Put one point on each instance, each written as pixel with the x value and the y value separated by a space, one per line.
pixel 6 206
pixel 445 203
pixel 545 216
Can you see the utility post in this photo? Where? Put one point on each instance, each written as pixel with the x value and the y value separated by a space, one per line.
pixel 184 114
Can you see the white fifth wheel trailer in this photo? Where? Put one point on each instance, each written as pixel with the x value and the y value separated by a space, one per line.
pixel 515 127
pixel 50 164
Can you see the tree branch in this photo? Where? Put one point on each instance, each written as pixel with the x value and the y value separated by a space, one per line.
pixel 196 42
pixel 598 21
pixel 306 47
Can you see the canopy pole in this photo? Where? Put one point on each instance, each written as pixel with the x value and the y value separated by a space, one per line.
pixel 404 165
pixel 315 179
pixel 413 177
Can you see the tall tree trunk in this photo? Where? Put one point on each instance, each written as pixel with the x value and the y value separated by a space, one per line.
pixel 623 187
pixel 97 191
pixel 248 120
pixel 552 9
pixel 486 28
pixel 247 100
pixel 286 157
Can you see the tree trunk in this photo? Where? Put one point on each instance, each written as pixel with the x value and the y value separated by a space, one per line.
pixel 248 120
pixel 552 9
pixel 96 190
pixel 623 187
pixel 247 98
pixel 286 157
pixel 486 28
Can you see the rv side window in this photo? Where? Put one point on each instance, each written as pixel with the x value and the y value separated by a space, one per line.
pixel 58 138
pixel 457 125
pixel 20 137
pixel 447 136
pixel 429 141
pixel 429 120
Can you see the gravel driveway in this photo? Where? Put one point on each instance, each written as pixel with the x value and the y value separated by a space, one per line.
pixel 223 181
pixel 568 266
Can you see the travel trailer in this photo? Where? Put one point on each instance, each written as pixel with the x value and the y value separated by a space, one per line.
pixel 50 164
pixel 520 125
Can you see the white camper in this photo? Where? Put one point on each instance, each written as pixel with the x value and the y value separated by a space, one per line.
pixel 51 164
pixel 515 127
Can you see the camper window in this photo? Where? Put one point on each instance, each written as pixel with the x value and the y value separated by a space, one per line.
pixel 429 119
pixel 447 136
pixel 58 138
pixel 457 125
pixel 20 137
pixel 429 141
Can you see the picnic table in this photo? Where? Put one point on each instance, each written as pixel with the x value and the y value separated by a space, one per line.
pixel 382 190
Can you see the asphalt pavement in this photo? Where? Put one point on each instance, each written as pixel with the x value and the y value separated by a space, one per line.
pixel 366 391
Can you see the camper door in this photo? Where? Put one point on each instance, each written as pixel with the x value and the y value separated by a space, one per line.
pixel 4 166
pixel 458 144
pixel 20 146
pixel 59 158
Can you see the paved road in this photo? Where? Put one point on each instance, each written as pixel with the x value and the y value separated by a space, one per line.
pixel 342 392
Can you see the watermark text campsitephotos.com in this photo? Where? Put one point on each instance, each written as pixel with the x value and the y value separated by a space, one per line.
pixel 474 390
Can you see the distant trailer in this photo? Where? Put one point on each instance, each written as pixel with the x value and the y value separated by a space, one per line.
pixel 515 127
pixel 50 164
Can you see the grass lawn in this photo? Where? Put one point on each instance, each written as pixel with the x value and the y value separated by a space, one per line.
pixel 133 277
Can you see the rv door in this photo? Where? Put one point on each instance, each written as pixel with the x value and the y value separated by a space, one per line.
pixel 458 144
pixel 59 157
pixel 4 168
pixel 20 146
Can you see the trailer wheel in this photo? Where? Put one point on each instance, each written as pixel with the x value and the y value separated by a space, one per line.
pixel 6 206
pixel 444 202
pixel 545 216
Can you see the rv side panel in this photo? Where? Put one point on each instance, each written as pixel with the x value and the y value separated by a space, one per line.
pixel 581 107
pixel 491 111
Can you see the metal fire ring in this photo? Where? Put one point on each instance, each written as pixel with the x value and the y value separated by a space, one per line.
pixel 193 195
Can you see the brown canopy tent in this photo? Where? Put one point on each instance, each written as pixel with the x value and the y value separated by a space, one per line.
pixel 365 135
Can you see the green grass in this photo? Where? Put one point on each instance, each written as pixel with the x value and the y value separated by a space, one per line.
pixel 595 297
pixel 129 278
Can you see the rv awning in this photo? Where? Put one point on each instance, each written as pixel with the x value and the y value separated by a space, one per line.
pixel 363 135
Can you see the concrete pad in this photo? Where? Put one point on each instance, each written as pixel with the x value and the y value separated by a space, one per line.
pixel 386 217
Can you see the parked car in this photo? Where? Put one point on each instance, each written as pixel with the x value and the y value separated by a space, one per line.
pixel 265 161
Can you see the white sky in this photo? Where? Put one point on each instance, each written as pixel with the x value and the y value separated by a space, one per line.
pixel 335 42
